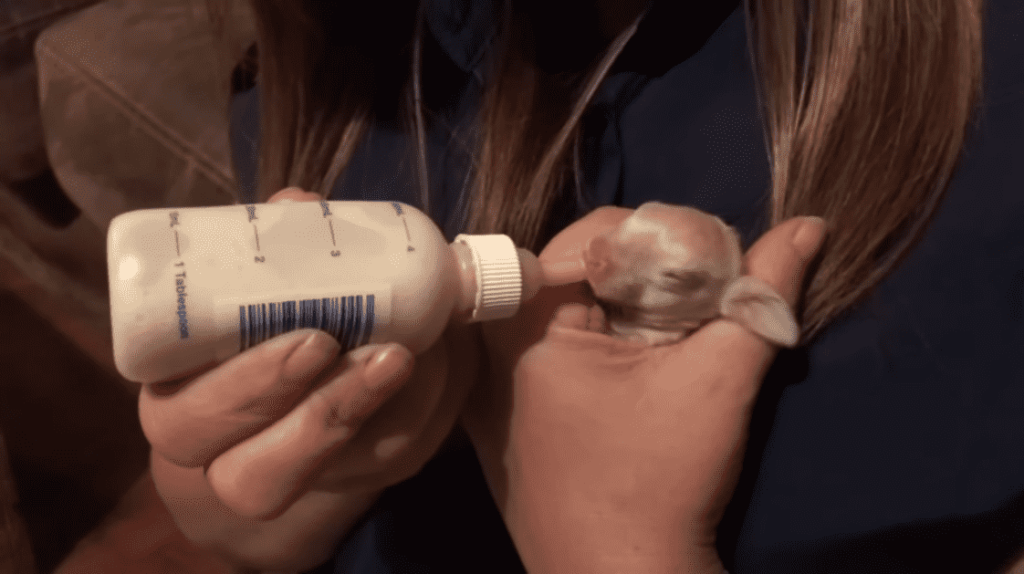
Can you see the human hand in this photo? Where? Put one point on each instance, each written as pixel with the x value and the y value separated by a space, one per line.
pixel 611 455
pixel 290 416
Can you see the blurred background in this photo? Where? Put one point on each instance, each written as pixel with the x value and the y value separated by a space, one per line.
pixel 105 107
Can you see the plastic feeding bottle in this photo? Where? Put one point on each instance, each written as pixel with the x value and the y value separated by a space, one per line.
pixel 191 287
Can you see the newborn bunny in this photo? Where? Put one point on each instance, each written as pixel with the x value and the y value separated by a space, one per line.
pixel 667 270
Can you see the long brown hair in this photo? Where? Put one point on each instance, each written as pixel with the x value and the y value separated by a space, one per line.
pixel 867 102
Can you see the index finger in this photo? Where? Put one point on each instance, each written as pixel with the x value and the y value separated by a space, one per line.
pixel 562 258
pixel 220 407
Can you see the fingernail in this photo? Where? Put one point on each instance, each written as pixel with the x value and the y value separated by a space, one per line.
pixel 312 355
pixel 321 342
pixel 385 364
pixel 289 340
pixel 808 238
pixel 360 355
pixel 563 272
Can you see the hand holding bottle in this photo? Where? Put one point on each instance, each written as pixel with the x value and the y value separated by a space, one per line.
pixel 290 420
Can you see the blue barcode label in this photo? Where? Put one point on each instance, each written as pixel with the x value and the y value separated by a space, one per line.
pixel 349 319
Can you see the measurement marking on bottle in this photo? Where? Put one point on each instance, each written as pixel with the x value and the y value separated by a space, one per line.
pixel 330 224
pixel 406 224
pixel 257 232
pixel 175 222
pixel 408 236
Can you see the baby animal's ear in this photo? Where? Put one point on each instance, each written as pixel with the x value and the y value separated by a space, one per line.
pixel 754 304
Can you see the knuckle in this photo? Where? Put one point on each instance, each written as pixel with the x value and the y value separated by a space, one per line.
pixel 333 416
pixel 341 403
pixel 155 428
pixel 391 448
pixel 327 409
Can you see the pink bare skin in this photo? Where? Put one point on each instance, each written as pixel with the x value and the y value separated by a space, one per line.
pixel 272 456
pixel 610 455
pixel 668 269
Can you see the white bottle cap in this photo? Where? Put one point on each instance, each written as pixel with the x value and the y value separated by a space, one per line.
pixel 499 279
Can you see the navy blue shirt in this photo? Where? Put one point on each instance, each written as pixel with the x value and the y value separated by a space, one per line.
pixel 894 443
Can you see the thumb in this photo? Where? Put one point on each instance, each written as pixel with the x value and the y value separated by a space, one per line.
pixel 779 259
pixel 780 256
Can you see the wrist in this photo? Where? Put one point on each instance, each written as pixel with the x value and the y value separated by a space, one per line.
pixel 654 551
pixel 606 543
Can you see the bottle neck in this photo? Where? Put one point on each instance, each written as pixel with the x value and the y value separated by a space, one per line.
pixel 465 268
pixel 466 299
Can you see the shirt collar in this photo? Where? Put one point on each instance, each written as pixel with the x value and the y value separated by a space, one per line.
pixel 464 29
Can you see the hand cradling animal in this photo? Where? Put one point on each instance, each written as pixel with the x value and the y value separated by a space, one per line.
pixel 667 270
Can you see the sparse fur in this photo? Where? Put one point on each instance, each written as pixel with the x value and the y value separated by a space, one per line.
pixel 667 270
